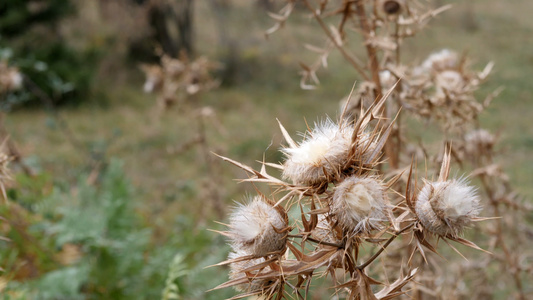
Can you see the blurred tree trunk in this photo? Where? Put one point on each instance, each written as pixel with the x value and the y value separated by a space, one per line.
pixel 265 4
pixel 166 18
pixel 184 19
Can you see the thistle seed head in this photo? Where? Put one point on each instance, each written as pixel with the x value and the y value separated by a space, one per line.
pixel 440 61
pixel 321 155
pixel 237 271
pixel 449 80
pixel 387 80
pixel 479 141
pixel 255 228
pixel 10 77
pixel 360 204
pixel 237 268
pixel 447 207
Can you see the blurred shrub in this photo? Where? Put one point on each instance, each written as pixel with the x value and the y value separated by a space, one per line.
pixel 55 73
pixel 89 241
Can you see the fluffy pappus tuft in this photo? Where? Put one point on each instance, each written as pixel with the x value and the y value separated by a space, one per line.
pixel 256 228
pixel 321 155
pixel 479 141
pixel 442 60
pixel 446 208
pixel 360 204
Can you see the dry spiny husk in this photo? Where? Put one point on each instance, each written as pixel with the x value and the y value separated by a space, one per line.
pixel 257 228
pixel 325 231
pixel 360 204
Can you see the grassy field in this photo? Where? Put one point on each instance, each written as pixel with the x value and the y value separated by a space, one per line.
pixel 170 186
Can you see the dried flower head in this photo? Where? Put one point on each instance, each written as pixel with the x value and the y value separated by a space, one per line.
pixel 479 141
pixel 449 80
pixel 237 270
pixel 360 204
pixel 447 207
pixel 387 80
pixel 10 78
pixel 322 154
pixel 391 7
pixel 256 228
pixel 440 61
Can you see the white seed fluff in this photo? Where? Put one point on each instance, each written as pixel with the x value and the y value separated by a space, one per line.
pixel 478 141
pixel 252 228
pixel 322 154
pixel 446 208
pixel 360 204
pixel 444 59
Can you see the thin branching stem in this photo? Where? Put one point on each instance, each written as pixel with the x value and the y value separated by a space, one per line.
pixel 389 241
pixel 350 58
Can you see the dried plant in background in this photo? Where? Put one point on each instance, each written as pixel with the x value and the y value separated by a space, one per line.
pixel 180 83
pixel 355 181
pixel 10 78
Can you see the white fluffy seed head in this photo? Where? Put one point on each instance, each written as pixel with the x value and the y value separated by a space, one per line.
pixel 442 60
pixel 449 80
pixel 254 228
pixel 446 208
pixel 321 155
pixel 479 141
pixel 387 80
pixel 237 268
pixel 360 204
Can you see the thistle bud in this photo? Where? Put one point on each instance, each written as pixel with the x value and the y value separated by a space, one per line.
pixel 360 204
pixel 447 207
pixel 255 228
pixel 320 156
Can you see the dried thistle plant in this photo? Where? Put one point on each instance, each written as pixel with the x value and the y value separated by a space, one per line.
pixel 356 184
pixel 176 81
pixel 346 204
pixel 10 78
pixel 181 82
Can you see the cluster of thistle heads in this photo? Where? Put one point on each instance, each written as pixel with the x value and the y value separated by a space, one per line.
pixel 335 177
pixel 176 80
pixel 442 87
pixel 10 78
